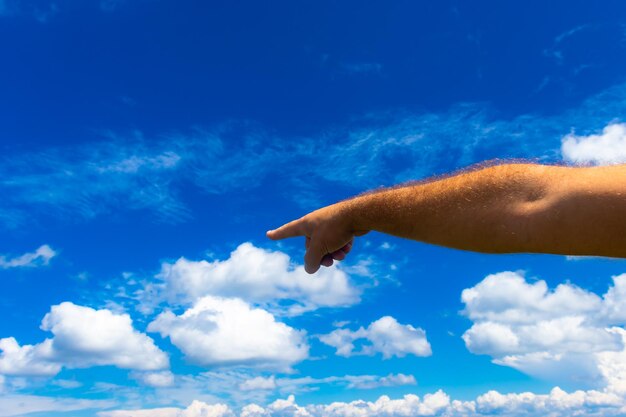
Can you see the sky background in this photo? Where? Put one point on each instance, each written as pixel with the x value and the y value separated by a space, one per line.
pixel 147 145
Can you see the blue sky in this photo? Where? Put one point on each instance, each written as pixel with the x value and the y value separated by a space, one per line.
pixel 148 145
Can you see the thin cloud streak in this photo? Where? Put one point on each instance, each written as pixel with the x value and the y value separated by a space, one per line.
pixel 132 173
pixel 39 257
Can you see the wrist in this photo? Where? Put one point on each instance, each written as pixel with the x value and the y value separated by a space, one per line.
pixel 353 215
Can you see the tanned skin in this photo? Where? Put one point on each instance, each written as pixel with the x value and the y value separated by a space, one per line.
pixel 509 208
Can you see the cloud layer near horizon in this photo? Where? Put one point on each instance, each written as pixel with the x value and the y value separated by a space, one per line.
pixel 557 403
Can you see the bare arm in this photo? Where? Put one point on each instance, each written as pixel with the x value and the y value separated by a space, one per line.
pixel 500 209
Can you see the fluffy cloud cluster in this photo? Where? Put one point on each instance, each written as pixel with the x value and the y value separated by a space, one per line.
pixel 557 403
pixel 83 337
pixel 258 276
pixel 563 334
pixel 40 257
pixel 228 331
pixel 609 147
pixel 385 336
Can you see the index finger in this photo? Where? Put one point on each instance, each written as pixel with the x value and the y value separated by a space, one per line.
pixel 291 229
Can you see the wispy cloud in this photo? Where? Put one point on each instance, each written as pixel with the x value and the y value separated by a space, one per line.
pixel 40 11
pixel 90 180
pixel 361 67
pixel 43 11
pixel 19 405
pixel 40 257
pixel 240 387
pixel 110 5
pixel 129 172
pixel 555 51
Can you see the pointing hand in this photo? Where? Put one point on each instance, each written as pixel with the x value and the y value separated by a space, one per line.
pixel 328 235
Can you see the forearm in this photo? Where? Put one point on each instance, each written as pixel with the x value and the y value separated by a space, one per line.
pixel 499 209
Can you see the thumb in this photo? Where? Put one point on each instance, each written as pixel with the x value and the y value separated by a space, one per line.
pixel 313 257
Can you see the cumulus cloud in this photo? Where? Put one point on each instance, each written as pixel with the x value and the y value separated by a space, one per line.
pixel 385 336
pixel 257 276
pixel 40 257
pixel 565 334
pixel 27 360
pixel 606 148
pixel 409 405
pixel 229 332
pixel 83 337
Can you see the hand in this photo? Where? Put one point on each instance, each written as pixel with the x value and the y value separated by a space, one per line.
pixel 328 236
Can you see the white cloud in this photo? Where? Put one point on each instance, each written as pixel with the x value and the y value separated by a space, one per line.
pixel 245 385
pixel 606 148
pixel 196 409
pixel 242 386
pixel 294 385
pixel 67 383
pixel 373 381
pixel 385 336
pixel 258 276
pixel 409 405
pixel 565 334
pixel 133 164
pixel 258 383
pixel 557 403
pixel 83 337
pixel 155 379
pixel 40 257
pixel 27 360
pixel 88 180
pixel 228 331
pixel 19 405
